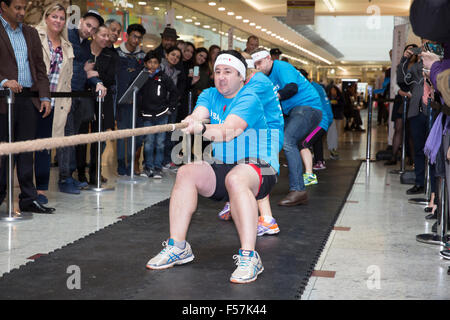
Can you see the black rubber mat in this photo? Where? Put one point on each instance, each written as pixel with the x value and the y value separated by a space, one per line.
pixel 110 264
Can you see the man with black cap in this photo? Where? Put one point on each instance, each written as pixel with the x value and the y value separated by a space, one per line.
pixel 79 38
pixel 168 40
pixel 275 53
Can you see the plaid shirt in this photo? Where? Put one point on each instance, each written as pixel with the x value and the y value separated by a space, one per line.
pixel 55 67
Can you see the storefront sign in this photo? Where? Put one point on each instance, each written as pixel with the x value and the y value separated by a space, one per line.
pixel 230 38
pixel 300 12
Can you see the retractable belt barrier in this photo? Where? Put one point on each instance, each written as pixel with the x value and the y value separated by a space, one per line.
pixel 10 148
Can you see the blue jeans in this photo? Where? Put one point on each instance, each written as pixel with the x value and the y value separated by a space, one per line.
pixel 299 123
pixel 42 158
pixel 154 144
pixel 172 118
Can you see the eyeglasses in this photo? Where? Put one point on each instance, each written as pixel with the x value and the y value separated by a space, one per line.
pixel 136 37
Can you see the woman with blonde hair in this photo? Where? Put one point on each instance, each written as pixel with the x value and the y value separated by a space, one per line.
pixel 58 57
pixel 259 83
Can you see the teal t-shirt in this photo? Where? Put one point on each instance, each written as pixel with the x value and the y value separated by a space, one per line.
pixel 327 113
pixel 284 73
pixel 264 89
pixel 254 141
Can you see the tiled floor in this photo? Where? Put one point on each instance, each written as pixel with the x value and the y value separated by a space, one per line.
pixel 376 258
pixel 379 257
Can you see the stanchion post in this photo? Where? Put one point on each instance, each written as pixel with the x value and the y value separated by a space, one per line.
pixel 12 214
pixel 99 144
pixel 190 102
pixel 443 221
pixel 402 164
pixel 98 187
pixel 133 138
pixel 438 238
pixel 369 131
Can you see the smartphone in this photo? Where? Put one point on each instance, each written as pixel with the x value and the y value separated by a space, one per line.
pixel 416 51
pixel 196 71
pixel 191 72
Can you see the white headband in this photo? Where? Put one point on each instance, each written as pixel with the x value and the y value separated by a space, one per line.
pixel 260 55
pixel 250 63
pixel 232 61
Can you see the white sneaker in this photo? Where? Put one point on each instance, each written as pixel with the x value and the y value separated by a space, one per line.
pixel 249 266
pixel 170 256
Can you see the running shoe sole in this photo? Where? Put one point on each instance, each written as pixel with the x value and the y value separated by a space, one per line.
pixel 249 280
pixel 170 265
pixel 270 232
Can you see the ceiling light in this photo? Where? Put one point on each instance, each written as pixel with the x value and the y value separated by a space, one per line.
pixel 330 5
pixel 269 32
pixel 156 8
pixel 197 23
pixel 230 13
pixel 206 27
pixel 214 29
pixel 245 21
pixel 238 17
pixel 221 9
pixel 188 20
pixel 263 29
pixel 252 24
pixel 258 27
pixel 179 17
pixel 212 4
pixel 142 3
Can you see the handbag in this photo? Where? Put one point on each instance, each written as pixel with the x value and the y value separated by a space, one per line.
pixel 85 110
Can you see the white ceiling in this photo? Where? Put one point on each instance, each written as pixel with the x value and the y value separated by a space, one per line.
pixel 360 29
pixel 357 39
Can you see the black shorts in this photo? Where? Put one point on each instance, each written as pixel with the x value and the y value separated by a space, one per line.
pixel 312 138
pixel 267 178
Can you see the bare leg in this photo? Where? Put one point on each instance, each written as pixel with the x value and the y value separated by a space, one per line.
pixel 192 179
pixel 264 207
pixel 242 185
pixel 307 160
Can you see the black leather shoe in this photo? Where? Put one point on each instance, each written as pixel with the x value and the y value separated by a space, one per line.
pixel 432 216
pixel 36 207
pixel 390 163
pixel 434 227
pixel 445 254
pixel 416 190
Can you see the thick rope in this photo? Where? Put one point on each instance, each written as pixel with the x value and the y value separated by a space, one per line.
pixel 53 143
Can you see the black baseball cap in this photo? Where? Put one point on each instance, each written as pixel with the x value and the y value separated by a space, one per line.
pixel 275 51
pixel 95 14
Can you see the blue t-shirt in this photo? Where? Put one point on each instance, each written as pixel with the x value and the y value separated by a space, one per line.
pixel 284 73
pixel 264 89
pixel 327 113
pixel 253 142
